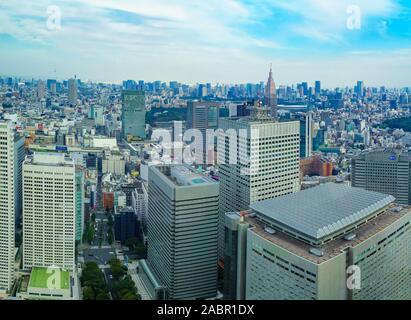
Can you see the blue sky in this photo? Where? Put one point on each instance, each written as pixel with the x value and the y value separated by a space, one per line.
pixel 223 41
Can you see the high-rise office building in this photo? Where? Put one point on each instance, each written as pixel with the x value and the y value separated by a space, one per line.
pixel 203 115
pixel 8 169
pixel 318 138
pixel 72 91
pixel 330 242
pixel 80 171
pixel 234 256
pixel 306 133
pixel 270 95
pixel 133 116
pixel 52 85
pixel 359 89
pixel 258 159
pixel 41 89
pixel 318 87
pixel 386 171
pixel 49 211
pixel 126 224
pixel 19 154
pixel 304 86
pixel 182 234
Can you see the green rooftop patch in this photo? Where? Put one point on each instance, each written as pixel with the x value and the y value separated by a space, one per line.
pixel 55 278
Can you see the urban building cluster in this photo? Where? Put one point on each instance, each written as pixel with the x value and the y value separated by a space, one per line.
pixel 298 187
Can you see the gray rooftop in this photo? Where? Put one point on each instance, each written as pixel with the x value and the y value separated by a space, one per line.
pixel 322 211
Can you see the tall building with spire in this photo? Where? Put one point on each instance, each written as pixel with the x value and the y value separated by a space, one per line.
pixel 270 95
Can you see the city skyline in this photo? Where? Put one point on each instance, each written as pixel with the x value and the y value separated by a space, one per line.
pixel 219 42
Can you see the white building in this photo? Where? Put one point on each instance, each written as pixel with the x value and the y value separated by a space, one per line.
pixel 114 163
pixel 49 211
pixel 99 116
pixel 258 160
pixel 7 207
pixel 140 202
pixel 100 142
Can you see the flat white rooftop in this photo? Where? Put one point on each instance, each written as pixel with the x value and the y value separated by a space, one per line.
pixel 53 159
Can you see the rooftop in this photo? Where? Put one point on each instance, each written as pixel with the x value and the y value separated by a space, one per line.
pixel 321 211
pixel 332 248
pixel 184 175
pixel 49 159
pixel 384 155
pixel 39 278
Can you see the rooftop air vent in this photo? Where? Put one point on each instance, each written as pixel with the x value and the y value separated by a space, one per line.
pixel 317 252
pixel 350 237
pixel 269 230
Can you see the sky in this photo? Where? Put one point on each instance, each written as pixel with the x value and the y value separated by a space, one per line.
pixel 217 41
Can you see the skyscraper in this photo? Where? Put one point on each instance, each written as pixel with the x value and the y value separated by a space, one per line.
pixel 258 159
pixel 19 154
pixel 386 171
pixel 133 116
pixel 318 87
pixel 182 234
pixel 306 134
pixel 72 91
pixel 235 256
pixel 270 95
pixel 49 211
pixel 79 202
pixel 203 115
pixel 305 88
pixel 8 205
pixel 360 89
pixel 40 89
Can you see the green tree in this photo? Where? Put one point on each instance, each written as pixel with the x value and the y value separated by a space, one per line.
pixel 116 268
pixel 129 296
pixel 88 293
pixel 110 237
pixel 141 249
pixel 90 234
pixel 110 220
pixel 102 295
pixel 132 242
pixel 93 283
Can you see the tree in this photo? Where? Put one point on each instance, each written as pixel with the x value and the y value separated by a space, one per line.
pixel 93 217
pixel 129 296
pixel 93 283
pixel 90 234
pixel 110 220
pixel 132 242
pixel 102 295
pixel 110 237
pixel 88 293
pixel 141 249
pixel 116 268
